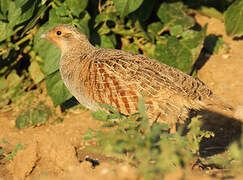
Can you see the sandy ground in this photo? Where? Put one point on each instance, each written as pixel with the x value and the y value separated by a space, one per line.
pixel 223 72
pixel 50 151
pixel 56 151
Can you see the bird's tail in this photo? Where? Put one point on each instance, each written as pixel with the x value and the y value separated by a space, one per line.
pixel 238 113
pixel 216 104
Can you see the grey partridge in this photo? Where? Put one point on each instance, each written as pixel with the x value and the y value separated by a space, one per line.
pixel 120 78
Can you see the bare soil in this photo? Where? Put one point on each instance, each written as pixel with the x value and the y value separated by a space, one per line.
pixel 58 151
pixel 223 72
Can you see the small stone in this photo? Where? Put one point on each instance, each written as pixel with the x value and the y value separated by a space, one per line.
pixel 104 171
pixel 225 56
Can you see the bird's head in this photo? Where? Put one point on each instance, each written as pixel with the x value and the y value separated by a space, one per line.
pixel 66 37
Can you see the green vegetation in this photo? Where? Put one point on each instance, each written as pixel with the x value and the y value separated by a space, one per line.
pixel 162 30
pixel 32 112
pixel 213 44
pixel 153 150
pixel 9 155
pixel 33 116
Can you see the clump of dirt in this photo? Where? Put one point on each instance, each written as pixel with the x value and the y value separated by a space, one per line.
pixel 57 151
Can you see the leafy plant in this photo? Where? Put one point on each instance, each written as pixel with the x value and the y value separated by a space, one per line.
pixel 13 153
pixel 162 30
pixel 34 116
pixel 154 151
pixel 213 44
pixel 35 112
pixel 19 64
pixel 233 18
pixel 150 148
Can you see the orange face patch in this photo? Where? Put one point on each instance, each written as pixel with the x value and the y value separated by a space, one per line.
pixel 55 37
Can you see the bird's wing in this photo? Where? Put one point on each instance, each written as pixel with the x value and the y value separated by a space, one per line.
pixel 151 76
pixel 119 78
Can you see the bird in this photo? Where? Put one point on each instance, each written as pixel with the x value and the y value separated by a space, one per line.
pixel 118 78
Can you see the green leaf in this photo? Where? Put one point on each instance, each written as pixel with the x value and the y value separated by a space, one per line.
pixel 235 151
pixel 127 46
pixel 14 12
pixel 4 6
pixel 20 11
pixel 27 10
pixel 3 140
pixel 220 160
pixel 99 115
pixel 34 20
pixel 3 28
pixel 125 7
pixel 211 12
pixel 14 152
pixel 182 56
pixel 107 107
pixel 19 147
pixel 21 122
pixel 35 72
pixel 145 10
pixel 88 135
pixel 36 115
pixel 76 6
pixel 56 89
pixel 103 17
pixel 83 23
pixel 141 107
pixel 172 14
pixel 193 41
pixel 181 53
pixel 155 27
pixel 2 151
pixel 176 30
pixel 108 41
pixel 62 11
pixel 233 19
pixel 104 29
pixel 49 52
pixel 13 79
pixel 2 17
pixel 3 83
pixel 55 19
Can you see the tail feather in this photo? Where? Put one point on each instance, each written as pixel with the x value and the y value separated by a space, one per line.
pixel 215 103
pixel 238 113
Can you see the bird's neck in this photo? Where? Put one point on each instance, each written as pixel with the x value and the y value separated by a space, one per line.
pixel 74 58
pixel 77 49
pixel 72 64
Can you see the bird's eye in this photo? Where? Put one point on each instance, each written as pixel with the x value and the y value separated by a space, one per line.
pixel 59 33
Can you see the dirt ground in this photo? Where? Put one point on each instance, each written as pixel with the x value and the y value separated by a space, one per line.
pixel 57 151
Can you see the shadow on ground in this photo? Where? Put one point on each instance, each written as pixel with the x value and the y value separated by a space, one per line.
pixel 226 130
